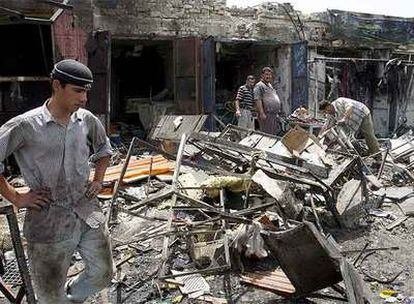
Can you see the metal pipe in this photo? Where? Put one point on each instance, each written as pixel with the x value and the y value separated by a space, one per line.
pixel 339 59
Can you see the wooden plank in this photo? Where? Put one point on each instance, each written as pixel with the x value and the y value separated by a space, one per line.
pixel 275 280
pixel 357 291
pixel 397 222
pixel 165 251
pixel 139 169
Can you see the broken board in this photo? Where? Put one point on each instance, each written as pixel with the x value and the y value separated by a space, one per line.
pixel 172 127
pixel 275 280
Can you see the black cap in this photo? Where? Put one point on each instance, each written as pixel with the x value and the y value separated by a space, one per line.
pixel 73 72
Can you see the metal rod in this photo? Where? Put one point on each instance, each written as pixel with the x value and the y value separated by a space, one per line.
pixel 149 177
pixel 20 256
pixel 333 59
pixel 371 249
pixel 165 251
pixel 383 163
pixel 361 253
pixel 112 215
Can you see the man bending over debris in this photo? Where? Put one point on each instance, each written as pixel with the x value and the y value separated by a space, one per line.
pixel 52 145
pixel 355 116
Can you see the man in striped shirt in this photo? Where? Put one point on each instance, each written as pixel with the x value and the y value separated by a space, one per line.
pixel 353 116
pixel 244 104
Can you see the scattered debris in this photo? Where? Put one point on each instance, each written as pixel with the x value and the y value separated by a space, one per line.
pixel 265 207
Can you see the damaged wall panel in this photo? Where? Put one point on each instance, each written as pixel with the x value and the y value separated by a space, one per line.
pixel 186 62
pixel 70 38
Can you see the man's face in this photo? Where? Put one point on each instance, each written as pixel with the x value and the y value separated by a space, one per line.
pixel 250 82
pixel 71 97
pixel 267 76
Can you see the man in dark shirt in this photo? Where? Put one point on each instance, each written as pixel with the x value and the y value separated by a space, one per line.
pixel 244 104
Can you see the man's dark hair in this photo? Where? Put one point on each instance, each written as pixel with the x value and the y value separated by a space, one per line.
pixel 323 105
pixel 62 82
pixel 267 69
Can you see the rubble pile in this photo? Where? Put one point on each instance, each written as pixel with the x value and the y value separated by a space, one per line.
pixel 255 212
pixel 242 216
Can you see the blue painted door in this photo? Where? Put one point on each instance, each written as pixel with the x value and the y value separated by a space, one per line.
pixel 299 75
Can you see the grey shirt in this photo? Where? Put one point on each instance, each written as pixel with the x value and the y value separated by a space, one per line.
pixel 267 94
pixel 55 156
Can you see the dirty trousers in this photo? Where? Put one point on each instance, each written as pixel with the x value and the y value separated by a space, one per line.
pixel 50 263
pixel 246 119
pixel 367 131
pixel 271 124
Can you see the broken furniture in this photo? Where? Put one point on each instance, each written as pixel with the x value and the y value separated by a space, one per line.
pixel 312 127
pixel 21 275
pixel 321 262
pixel 318 267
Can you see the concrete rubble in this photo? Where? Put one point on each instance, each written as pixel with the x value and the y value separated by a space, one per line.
pixel 246 215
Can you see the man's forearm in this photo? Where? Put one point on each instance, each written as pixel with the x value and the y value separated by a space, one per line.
pixel 100 168
pixel 237 104
pixel 8 191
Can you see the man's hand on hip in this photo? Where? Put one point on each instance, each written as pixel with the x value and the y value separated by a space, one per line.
pixel 93 189
pixel 36 199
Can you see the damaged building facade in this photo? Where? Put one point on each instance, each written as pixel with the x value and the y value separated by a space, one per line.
pixel 368 58
pixel 239 215
pixel 189 57
pixel 151 58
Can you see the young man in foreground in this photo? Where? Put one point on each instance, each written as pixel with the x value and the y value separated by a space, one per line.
pixel 52 145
